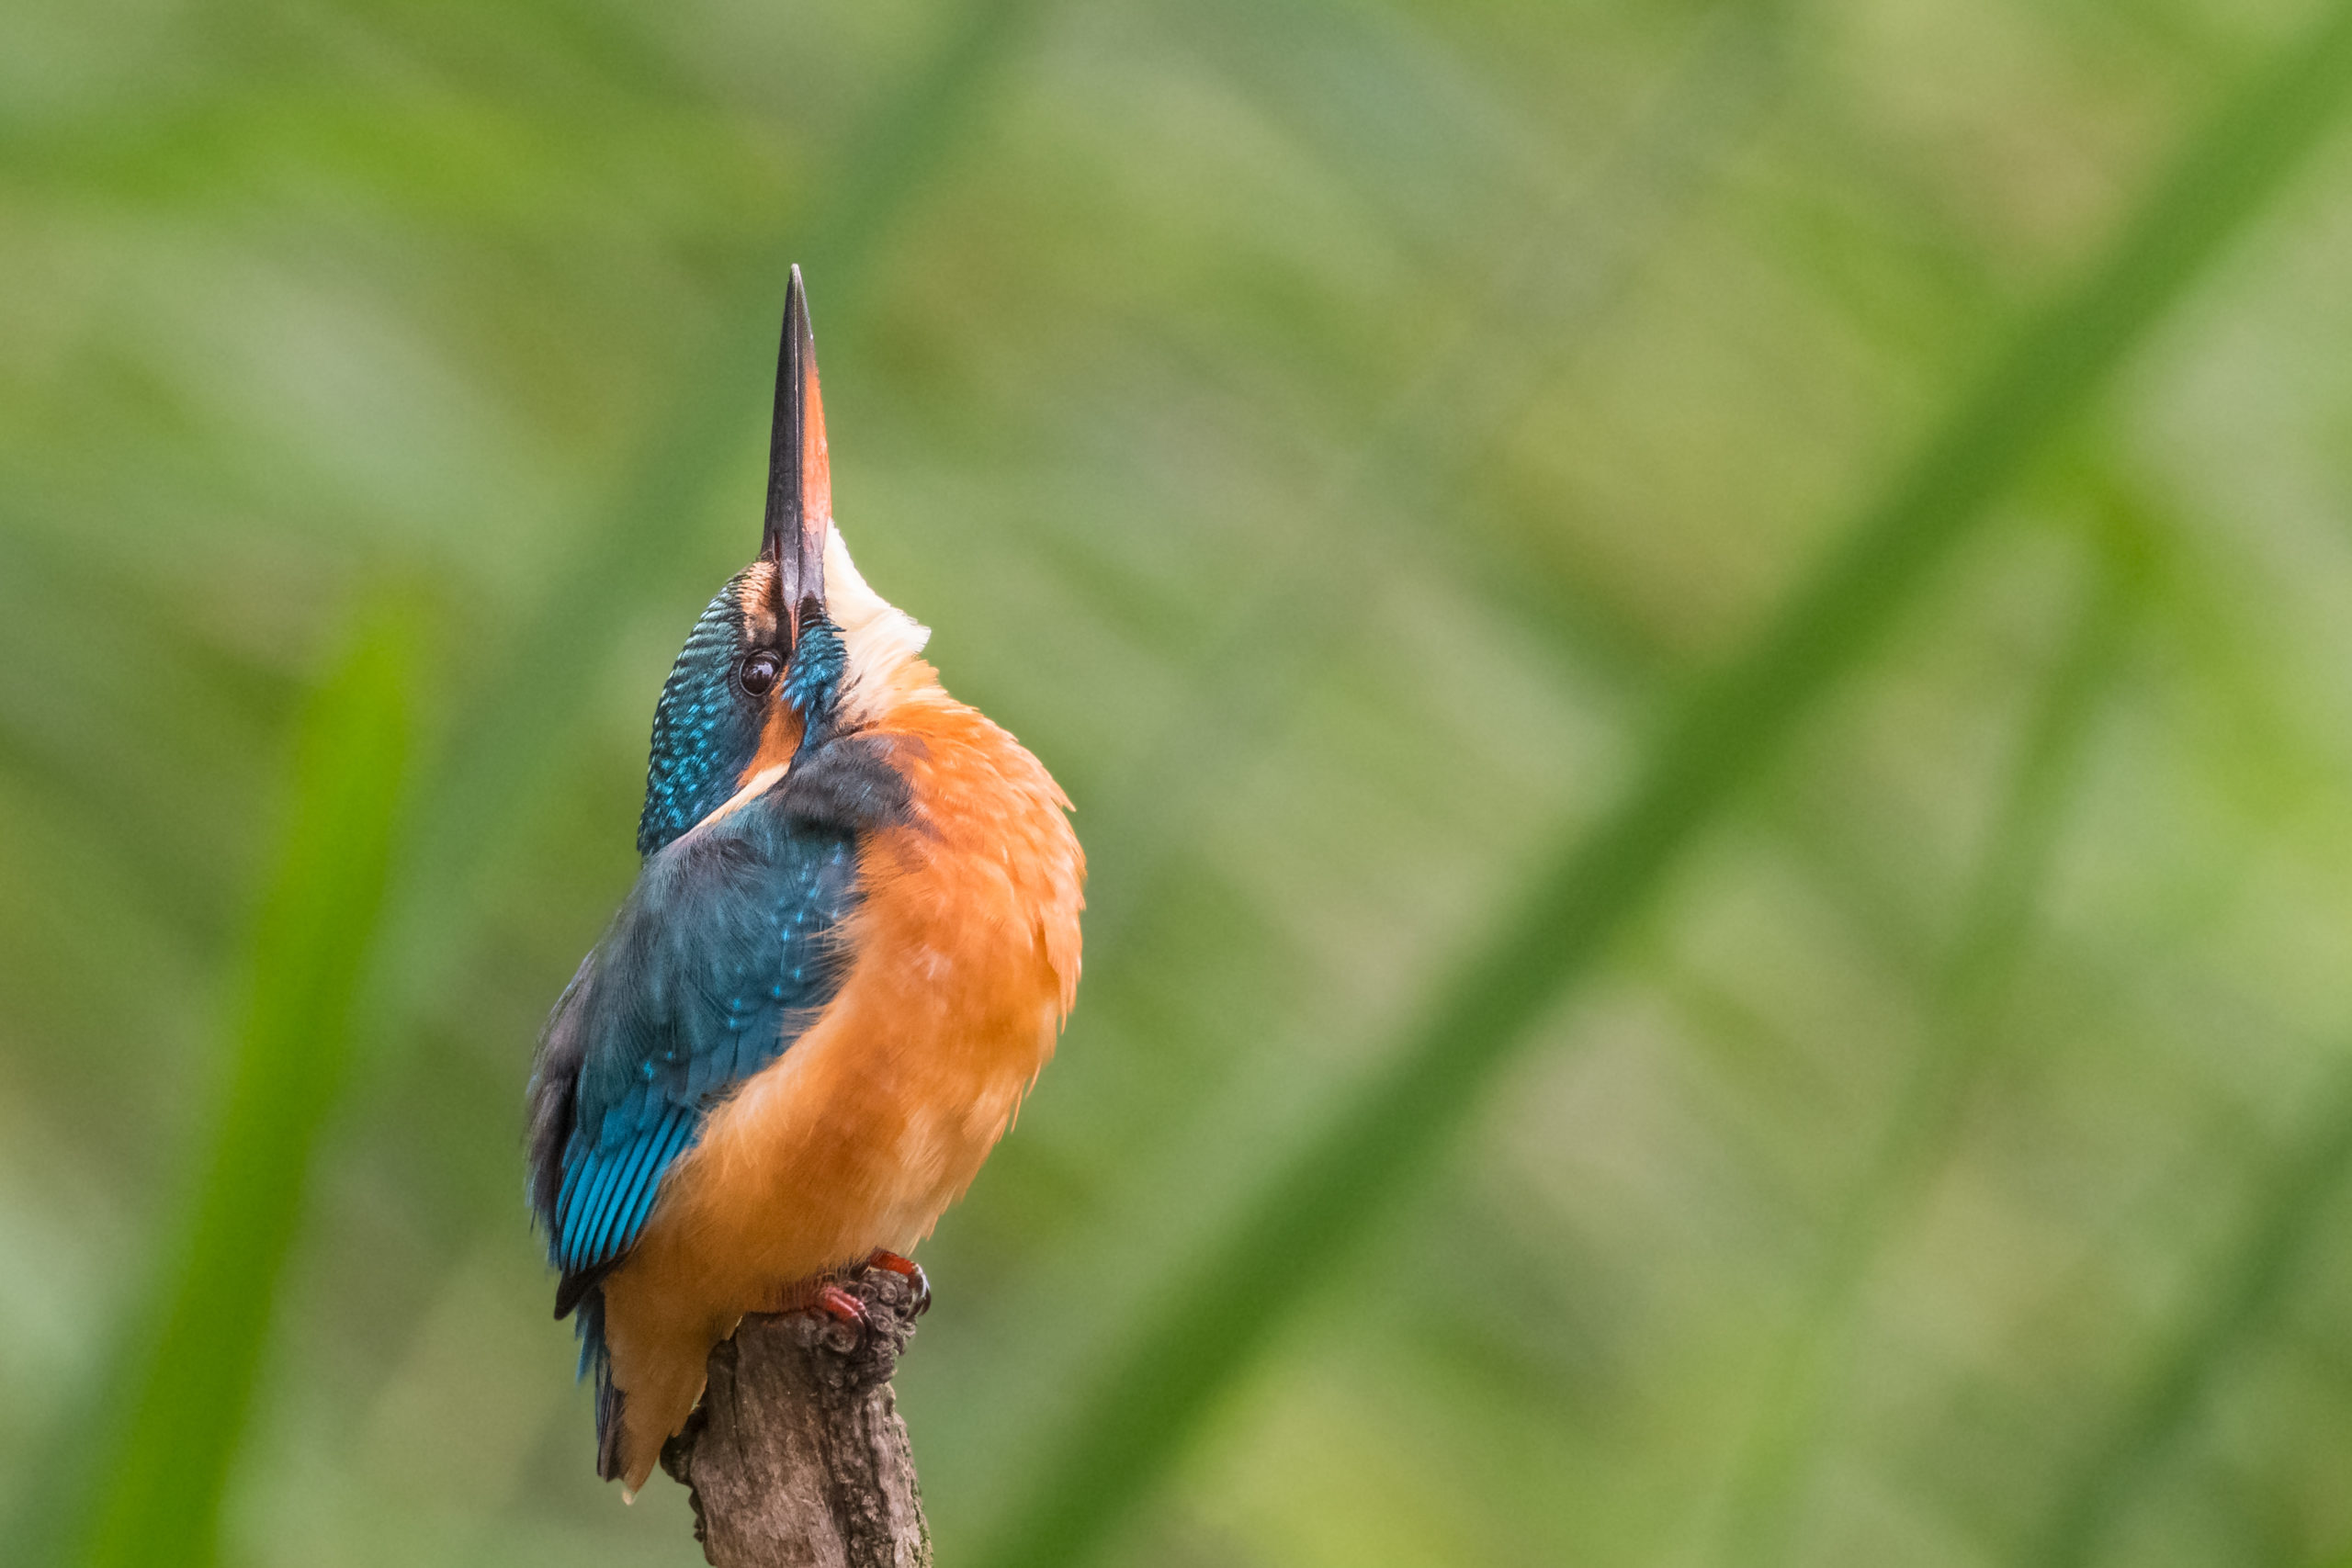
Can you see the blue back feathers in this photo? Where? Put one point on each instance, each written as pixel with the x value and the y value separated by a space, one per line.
pixel 724 953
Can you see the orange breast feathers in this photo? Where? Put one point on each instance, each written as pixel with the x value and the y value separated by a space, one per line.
pixel 964 961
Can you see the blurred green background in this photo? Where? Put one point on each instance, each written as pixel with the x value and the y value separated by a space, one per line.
pixel 1705 651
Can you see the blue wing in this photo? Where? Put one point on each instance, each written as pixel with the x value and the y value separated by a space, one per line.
pixel 727 947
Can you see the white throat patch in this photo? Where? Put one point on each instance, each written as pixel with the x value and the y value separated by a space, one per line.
pixel 880 638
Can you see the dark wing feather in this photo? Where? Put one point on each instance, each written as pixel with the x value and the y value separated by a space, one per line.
pixel 725 951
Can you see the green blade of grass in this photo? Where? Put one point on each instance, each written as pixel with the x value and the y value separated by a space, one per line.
pixel 185 1390
pixel 1228 1303
pixel 2241 1292
pixel 1768 1488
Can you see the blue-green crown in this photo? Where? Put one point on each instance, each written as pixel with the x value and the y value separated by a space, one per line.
pixel 705 729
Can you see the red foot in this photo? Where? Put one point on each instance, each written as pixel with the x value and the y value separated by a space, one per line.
pixel 839 1304
pixel 910 1269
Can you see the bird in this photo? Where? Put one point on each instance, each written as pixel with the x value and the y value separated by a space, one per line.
pixel 849 949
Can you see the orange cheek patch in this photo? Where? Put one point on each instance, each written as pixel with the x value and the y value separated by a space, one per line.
pixel 779 738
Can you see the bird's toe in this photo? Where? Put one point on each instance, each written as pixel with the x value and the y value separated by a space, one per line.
pixel 839 1304
pixel 908 1269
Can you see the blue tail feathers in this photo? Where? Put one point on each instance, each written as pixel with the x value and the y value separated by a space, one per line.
pixel 597 1361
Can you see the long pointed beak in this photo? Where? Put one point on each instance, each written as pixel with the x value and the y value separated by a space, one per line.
pixel 800 476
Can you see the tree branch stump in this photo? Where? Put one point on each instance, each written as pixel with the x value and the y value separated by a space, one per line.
pixel 797 1458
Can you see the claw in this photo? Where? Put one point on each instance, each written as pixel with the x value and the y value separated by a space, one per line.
pixel 839 1304
pixel 908 1268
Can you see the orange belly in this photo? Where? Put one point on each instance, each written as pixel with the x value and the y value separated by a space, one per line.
pixel 877 1117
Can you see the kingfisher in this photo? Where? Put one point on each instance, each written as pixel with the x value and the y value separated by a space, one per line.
pixel 851 945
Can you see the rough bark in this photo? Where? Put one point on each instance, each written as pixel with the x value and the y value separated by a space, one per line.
pixel 797 1458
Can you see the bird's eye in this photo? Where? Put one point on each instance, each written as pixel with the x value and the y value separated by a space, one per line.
pixel 759 670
